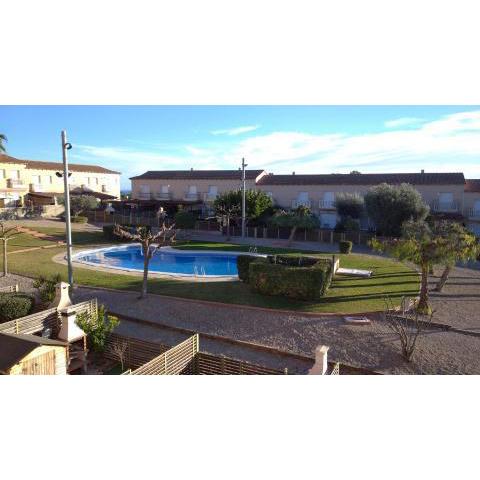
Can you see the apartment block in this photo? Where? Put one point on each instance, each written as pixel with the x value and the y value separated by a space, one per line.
pixel 35 180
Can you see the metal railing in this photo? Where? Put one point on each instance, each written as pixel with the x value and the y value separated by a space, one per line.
pixel 191 196
pixel 301 203
pixel 328 204
pixel 438 206
pixel 163 196
pixel 14 183
pixel 144 196
pixel 472 212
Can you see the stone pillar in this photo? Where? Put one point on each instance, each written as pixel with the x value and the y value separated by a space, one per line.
pixel 320 366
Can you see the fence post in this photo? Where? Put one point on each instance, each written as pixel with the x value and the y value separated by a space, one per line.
pixel 278 233
pixel 16 326
pixel 222 364
pixel 305 236
pixel 342 236
pixel 285 371
pixel 264 232
pixel 359 237
pixel 255 232
pixel 331 236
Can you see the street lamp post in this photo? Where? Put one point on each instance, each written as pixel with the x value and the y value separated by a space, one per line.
pixel 67 146
pixel 243 198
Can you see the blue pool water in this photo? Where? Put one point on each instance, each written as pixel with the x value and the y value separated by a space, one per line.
pixel 170 262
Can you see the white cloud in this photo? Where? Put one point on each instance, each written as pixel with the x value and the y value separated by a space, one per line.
pixel 236 130
pixel 403 122
pixel 450 143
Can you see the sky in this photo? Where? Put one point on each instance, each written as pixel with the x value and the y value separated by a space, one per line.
pixel 279 139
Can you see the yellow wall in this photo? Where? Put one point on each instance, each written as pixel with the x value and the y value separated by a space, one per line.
pixel 41 180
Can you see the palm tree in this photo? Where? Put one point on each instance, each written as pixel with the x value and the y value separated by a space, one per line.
pixel 5 235
pixel 420 246
pixel 3 140
pixel 150 244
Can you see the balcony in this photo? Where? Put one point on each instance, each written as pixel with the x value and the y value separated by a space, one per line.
pixel 301 203
pixel 15 183
pixel 144 196
pixel 191 197
pixel 36 187
pixel 444 207
pixel 163 196
pixel 472 213
pixel 326 204
pixel 209 197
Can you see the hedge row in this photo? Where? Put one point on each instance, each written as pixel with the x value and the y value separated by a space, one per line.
pixel 15 305
pixel 298 277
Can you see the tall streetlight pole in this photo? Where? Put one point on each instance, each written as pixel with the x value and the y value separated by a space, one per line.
pixel 67 146
pixel 243 198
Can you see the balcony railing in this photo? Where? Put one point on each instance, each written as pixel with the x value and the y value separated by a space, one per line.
pixel 163 196
pixel 326 204
pixel 15 183
pixel 209 197
pixel 191 196
pixel 144 196
pixel 437 206
pixel 472 212
pixel 301 203
pixel 36 187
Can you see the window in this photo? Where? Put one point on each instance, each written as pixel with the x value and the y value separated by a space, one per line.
pixel 192 189
pixel 47 179
pixel 3 173
pixel 302 197
pixel 164 188
pixel 36 179
pixel 212 191
pixel 14 174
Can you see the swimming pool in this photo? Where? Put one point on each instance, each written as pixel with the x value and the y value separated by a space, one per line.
pixel 167 261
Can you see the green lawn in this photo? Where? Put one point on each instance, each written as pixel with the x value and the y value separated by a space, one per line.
pixel 346 295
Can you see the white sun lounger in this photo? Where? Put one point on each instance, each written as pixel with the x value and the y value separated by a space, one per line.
pixel 357 320
pixel 354 272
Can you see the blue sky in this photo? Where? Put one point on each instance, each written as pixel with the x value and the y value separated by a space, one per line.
pixel 303 139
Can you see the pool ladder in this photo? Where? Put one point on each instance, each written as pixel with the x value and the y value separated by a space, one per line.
pixel 199 271
pixel 252 250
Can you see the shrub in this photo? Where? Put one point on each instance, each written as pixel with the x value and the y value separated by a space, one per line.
pixel 278 277
pixel 243 265
pixel 345 246
pixel 97 327
pixel 184 219
pixel 14 306
pixel 47 287
pixel 78 219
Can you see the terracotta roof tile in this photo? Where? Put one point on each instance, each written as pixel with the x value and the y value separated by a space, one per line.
pixel 36 164
pixel 365 179
pixel 198 175
pixel 472 185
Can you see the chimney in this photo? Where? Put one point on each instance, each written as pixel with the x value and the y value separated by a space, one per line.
pixel 320 366
pixel 422 171
pixel 293 173
pixel 69 330
pixel 191 169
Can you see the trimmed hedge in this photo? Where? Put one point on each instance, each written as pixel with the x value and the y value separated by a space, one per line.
pixel 14 306
pixel 345 246
pixel 278 276
pixel 78 219
pixel 243 266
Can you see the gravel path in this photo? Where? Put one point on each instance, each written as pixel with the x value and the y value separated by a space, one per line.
pixel 459 302
pixel 372 346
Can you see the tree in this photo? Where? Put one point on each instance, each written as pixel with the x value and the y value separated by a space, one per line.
pixel 3 140
pixel 225 214
pixel 150 243
pixel 350 205
pixel 119 349
pixel 460 246
pixel 390 206
pixel 301 217
pixel 407 326
pixel 97 327
pixel 6 234
pixel 256 203
pixel 82 203
pixel 420 246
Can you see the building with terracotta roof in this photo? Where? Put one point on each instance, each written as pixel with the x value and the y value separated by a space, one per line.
pixel 37 180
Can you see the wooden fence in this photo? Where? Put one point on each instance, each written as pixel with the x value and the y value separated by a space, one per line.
pixel 38 322
pixel 208 364
pixel 137 352
pixel 179 360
